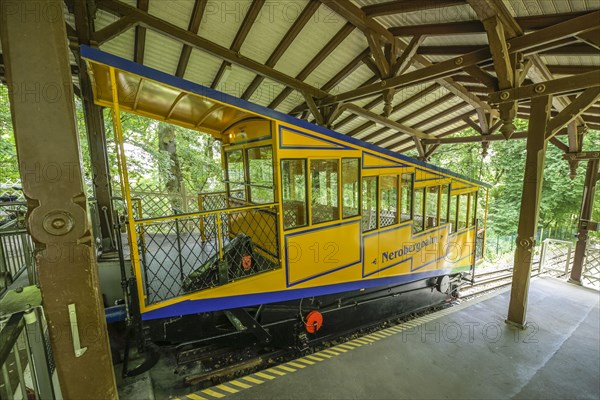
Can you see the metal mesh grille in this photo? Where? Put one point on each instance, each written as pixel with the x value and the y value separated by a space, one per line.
pixel 182 255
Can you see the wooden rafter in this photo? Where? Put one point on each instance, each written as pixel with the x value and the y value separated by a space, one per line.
pixel 149 21
pixel 368 25
pixel 404 103
pixel 193 27
pixel 285 43
pixel 387 122
pixel 140 35
pixel 452 66
pixel 333 43
pixel 240 37
pixel 405 6
pixel 528 23
pixel 573 110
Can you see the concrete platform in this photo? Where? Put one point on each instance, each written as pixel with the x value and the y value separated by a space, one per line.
pixel 462 352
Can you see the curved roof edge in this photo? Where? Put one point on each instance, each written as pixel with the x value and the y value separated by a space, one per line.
pixel 96 55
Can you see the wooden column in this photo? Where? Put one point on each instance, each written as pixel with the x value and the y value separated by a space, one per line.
pixel 589 190
pixel 96 133
pixel 530 203
pixel 35 51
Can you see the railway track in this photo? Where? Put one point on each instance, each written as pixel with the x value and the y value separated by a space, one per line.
pixel 222 364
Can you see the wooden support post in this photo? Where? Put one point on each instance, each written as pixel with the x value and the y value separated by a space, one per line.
pixel 530 204
pixel 43 113
pixel 587 203
pixel 96 133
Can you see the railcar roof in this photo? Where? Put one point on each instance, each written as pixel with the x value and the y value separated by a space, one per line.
pixel 148 92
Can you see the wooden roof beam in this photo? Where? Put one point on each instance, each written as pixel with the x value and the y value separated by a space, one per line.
pixel 240 37
pixel 405 6
pixel 285 43
pixel 421 94
pixel 114 29
pixel 449 67
pixel 573 110
pixel 140 35
pixel 149 21
pixel 193 27
pixel 368 25
pixel 387 122
pixel 330 46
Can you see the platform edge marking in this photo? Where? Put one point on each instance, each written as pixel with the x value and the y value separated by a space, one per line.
pixel 213 393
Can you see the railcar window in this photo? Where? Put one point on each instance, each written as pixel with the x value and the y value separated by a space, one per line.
pixel 369 203
pixel 453 211
pixel 463 199
pixel 473 208
pixel 260 172
pixel 388 204
pixel 324 187
pixel 350 187
pixel 418 209
pixel 431 207
pixel 293 187
pixel 444 198
pixel 235 174
pixel 407 196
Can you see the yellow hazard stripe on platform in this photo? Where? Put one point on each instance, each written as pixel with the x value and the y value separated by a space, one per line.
pixel 213 393
pixel 250 381
pixel 194 396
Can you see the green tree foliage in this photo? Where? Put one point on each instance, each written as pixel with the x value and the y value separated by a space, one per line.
pixel 504 167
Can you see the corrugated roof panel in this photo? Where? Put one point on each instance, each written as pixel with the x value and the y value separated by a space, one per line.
pixel 237 82
pixel 524 8
pixel 202 67
pixel 367 131
pixel 221 21
pixel 592 59
pixel 313 37
pixel 273 22
pixel 435 15
pixel 456 40
pixel 352 81
pixel 352 46
pixel 439 110
pixel 161 53
pixel 121 45
pixel 266 92
pixel 176 12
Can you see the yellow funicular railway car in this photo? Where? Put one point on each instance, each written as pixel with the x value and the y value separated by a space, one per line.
pixel 314 227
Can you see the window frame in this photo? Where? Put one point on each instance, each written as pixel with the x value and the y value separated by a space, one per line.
pixel 249 184
pixel 379 200
pixel 412 197
pixel 309 187
pixel 307 217
pixel 359 188
pixel 228 181
pixel 376 178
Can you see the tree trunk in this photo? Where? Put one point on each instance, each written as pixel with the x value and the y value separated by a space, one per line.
pixel 172 175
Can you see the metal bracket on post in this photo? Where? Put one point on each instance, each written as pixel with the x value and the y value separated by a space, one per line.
pixel 79 351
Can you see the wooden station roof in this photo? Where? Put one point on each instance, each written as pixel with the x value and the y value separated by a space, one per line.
pixel 388 72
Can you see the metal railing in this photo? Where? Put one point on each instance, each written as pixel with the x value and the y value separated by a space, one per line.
pixel 184 253
pixel 16 245
pixel 25 356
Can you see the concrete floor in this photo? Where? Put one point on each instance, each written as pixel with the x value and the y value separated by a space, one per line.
pixel 469 352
